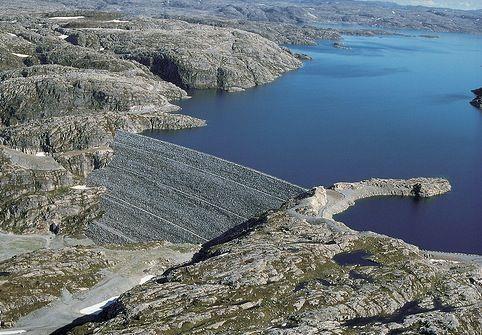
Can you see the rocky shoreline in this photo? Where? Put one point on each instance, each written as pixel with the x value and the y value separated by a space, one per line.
pixel 303 223
pixel 68 83
pixel 293 271
pixel 84 78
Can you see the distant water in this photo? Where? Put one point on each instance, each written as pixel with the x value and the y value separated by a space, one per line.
pixel 388 107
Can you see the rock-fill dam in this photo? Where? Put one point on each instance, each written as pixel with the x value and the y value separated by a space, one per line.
pixel 158 190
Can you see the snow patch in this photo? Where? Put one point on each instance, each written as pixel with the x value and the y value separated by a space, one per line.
pixel 63 37
pixel 79 187
pixel 145 279
pixel 20 55
pixel 97 308
pixel 40 154
pixel 12 35
pixel 12 332
pixel 67 17
pixel 118 21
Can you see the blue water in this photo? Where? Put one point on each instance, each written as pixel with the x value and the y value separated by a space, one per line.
pixel 388 107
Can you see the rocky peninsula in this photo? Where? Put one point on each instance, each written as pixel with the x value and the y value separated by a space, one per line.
pixel 293 271
pixel 477 101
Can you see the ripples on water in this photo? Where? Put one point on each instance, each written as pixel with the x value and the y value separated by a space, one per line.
pixel 387 107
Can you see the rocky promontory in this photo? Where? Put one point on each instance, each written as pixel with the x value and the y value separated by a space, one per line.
pixel 477 101
pixel 294 271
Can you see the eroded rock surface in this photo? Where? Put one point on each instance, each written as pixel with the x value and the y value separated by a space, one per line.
pixel 292 272
pixel 37 191
pixel 43 290
pixel 30 281
pixel 68 83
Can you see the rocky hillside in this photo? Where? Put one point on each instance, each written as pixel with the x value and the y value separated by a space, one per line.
pixel 68 277
pixel 367 13
pixel 291 271
pixel 192 56
pixel 68 83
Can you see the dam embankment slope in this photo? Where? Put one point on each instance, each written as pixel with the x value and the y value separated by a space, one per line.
pixel 158 190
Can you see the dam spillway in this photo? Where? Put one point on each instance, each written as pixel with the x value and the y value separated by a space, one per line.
pixel 161 191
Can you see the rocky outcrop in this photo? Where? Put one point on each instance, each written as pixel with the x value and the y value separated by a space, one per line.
pixel 196 56
pixel 36 192
pixel 42 290
pixel 83 162
pixel 71 133
pixel 291 271
pixel 33 280
pixel 14 50
pixel 477 101
pixel 279 32
pixel 47 91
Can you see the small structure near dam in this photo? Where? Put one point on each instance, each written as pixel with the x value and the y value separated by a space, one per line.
pixel 158 190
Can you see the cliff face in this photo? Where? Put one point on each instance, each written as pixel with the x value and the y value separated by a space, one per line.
pixel 292 272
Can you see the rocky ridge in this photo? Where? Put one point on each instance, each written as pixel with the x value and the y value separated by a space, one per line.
pixel 366 13
pixel 294 271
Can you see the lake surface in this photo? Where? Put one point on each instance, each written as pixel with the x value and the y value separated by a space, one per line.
pixel 391 107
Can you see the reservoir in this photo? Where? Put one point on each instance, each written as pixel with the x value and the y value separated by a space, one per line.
pixel 389 107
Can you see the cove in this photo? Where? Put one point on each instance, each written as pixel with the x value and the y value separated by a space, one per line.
pixel 388 107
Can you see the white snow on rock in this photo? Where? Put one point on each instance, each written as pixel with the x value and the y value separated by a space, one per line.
pixel 12 35
pixel 12 332
pixel 97 308
pixel 145 279
pixel 63 37
pixel 66 17
pixel 118 21
pixel 20 55
pixel 79 187
pixel 40 154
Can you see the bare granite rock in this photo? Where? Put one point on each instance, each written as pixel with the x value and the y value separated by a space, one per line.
pixel 44 289
pixel 32 280
pixel 345 194
pixel 196 56
pixel 291 271
pixel 47 91
pixel 71 133
pixel 417 187
pixel 37 191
